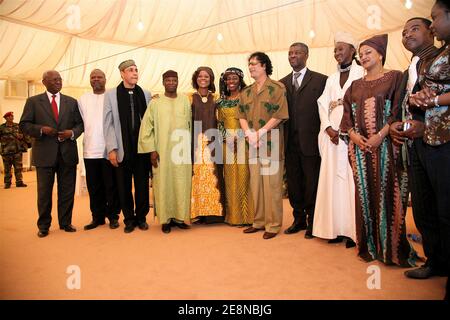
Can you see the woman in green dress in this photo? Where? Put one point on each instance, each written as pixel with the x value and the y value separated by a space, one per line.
pixel 239 208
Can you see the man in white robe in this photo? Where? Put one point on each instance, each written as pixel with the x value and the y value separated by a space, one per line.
pixel 335 203
pixel 166 133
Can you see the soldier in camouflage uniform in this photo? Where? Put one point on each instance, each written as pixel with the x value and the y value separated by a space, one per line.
pixel 13 143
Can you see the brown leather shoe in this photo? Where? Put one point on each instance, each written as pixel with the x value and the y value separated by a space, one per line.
pixel 252 230
pixel 269 235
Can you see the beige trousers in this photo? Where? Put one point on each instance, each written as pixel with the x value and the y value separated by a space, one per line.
pixel 266 184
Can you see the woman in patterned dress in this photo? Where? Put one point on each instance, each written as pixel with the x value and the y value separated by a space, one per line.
pixel 370 105
pixel 239 209
pixel 207 179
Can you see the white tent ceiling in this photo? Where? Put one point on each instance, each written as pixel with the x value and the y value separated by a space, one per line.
pixel 75 36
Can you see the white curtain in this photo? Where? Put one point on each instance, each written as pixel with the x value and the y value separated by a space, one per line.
pixel 75 37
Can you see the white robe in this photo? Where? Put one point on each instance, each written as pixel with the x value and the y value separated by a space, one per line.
pixel 334 214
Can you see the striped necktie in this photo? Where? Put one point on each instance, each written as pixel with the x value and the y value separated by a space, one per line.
pixel 295 81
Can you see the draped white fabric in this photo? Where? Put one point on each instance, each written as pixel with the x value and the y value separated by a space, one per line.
pixel 76 36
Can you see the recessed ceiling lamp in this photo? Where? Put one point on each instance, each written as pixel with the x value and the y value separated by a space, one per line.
pixel 140 25
pixel 408 4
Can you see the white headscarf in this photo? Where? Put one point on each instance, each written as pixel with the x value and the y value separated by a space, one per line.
pixel 345 37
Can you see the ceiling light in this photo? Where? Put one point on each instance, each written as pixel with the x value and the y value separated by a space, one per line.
pixel 140 25
pixel 408 4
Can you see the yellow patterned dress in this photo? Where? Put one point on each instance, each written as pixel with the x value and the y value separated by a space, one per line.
pixel 239 208
pixel 206 198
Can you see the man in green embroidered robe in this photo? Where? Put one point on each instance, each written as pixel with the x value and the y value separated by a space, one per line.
pixel 165 133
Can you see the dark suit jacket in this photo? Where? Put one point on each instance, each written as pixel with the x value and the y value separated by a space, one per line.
pixel 38 113
pixel 304 120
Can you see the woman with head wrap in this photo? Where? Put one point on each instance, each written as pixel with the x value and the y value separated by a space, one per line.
pixel 239 209
pixel 207 180
pixel 334 216
pixel 370 105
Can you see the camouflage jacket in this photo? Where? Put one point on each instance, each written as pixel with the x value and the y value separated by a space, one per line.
pixel 12 140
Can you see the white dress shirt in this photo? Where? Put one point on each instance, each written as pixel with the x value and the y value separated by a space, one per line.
pixel 91 109
pixel 57 98
pixel 300 78
pixel 412 73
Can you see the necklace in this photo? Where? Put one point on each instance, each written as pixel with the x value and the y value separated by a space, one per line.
pixel 204 99
pixel 345 68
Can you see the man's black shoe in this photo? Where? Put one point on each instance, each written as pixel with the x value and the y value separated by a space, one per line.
pixel 423 272
pixel 129 228
pixel 143 225
pixel 295 227
pixel 165 227
pixel 113 223
pixel 68 228
pixel 93 225
pixel 42 233
pixel 308 234
pixel 180 225
pixel 350 243
pixel 336 240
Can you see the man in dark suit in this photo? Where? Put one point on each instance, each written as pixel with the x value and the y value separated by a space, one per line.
pixel 54 121
pixel 303 88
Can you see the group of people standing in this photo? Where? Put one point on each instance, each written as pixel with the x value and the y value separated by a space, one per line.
pixel 349 143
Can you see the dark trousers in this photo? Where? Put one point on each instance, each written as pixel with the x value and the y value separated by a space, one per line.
pixel 430 190
pixel 101 184
pixel 137 169
pixel 302 179
pixel 66 177
pixel 13 160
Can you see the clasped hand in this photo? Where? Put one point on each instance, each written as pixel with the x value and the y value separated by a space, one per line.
pixel 154 158
pixel 424 99
pixel 366 144
pixel 334 135
pixel 398 136
pixel 254 137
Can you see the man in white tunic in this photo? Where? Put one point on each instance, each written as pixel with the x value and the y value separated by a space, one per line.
pixel 100 179
pixel 335 203
pixel 166 133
